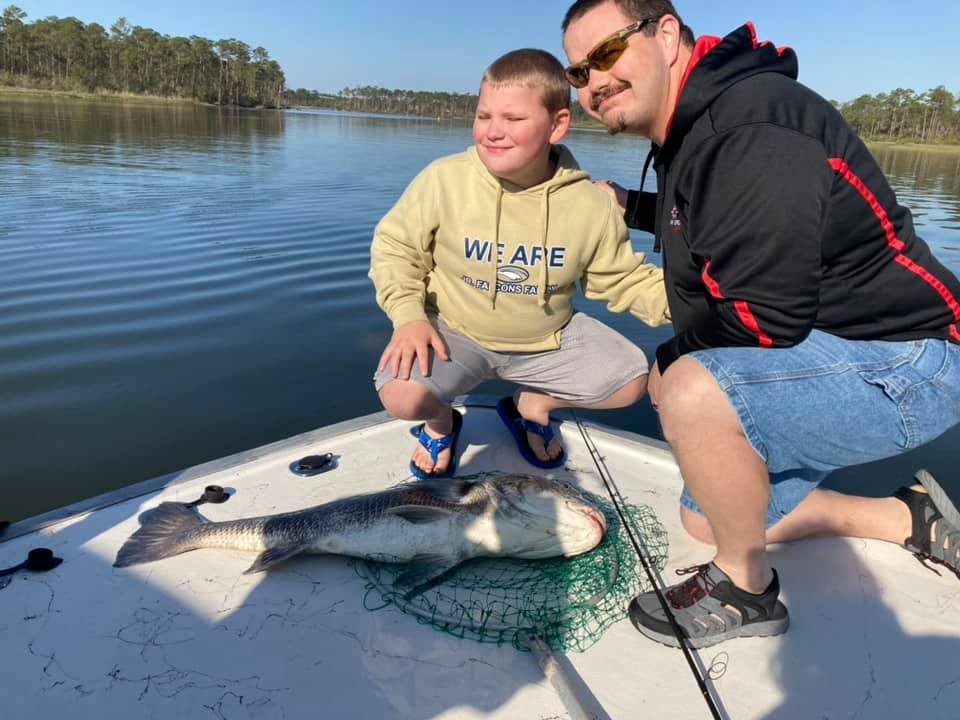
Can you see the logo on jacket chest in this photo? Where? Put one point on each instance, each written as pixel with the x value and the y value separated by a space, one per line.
pixel 675 224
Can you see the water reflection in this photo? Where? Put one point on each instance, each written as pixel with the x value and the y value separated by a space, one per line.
pixel 183 282
pixel 928 182
pixel 29 124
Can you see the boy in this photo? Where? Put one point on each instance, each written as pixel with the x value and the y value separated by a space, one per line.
pixel 475 266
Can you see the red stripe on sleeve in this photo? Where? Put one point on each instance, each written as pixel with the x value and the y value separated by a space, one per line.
pixel 841 167
pixel 748 319
pixel 743 310
pixel 712 285
pixel 895 243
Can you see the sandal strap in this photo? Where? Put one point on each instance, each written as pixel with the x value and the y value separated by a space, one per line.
pixel 923 514
pixel 434 446
pixel 944 549
pixel 544 431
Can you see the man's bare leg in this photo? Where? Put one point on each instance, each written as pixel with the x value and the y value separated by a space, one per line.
pixel 726 478
pixel 824 513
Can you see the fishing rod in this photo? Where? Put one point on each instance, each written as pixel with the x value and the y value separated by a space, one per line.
pixel 614 492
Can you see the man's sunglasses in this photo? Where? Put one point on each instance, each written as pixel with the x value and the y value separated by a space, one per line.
pixel 604 54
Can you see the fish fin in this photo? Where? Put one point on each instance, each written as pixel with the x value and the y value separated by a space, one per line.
pixel 448 489
pixel 160 534
pixel 419 514
pixel 424 570
pixel 272 557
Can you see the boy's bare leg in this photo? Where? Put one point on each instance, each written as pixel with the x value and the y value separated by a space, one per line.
pixel 536 406
pixel 409 400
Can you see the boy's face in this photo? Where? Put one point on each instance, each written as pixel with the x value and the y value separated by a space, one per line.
pixel 513 131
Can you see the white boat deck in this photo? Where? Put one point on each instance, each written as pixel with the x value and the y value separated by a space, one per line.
pixel 874 634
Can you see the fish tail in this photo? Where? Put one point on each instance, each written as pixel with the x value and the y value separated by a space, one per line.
pixel 164 532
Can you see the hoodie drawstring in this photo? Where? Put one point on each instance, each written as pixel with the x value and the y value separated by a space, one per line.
pixel 544 226
pixel 541 243
pixel 495 252
pixel 643 178
pixel 646 166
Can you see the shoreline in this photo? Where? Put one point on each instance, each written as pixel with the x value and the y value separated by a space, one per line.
pixel 84 95
pixel 952 148
pixel 170 100
pixel 119 97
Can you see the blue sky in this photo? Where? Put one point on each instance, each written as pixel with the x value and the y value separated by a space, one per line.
pixel 846 47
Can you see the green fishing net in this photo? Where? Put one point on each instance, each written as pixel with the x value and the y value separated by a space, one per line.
pixel 568 603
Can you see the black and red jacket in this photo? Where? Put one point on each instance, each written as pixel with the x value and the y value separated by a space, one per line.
pixel 774 219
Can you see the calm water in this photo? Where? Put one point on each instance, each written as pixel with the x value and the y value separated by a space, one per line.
pixel 184 283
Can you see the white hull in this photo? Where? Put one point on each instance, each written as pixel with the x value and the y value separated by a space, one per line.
pixel 874 635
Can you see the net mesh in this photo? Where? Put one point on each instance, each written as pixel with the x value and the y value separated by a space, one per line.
pixel 566 602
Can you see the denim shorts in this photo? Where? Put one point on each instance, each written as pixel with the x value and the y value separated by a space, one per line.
pixel 829 403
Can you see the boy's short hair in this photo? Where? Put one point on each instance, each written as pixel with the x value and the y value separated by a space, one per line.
pixel 535 69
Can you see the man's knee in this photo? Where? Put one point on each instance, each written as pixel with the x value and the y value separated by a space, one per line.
pixel 688 396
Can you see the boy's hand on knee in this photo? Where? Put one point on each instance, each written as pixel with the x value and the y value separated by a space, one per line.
pixel 409 342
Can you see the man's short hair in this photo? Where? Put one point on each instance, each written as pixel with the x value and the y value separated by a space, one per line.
pixel 635 10
pixel 535 69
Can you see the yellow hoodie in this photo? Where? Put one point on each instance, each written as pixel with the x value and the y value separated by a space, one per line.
pixel 499 263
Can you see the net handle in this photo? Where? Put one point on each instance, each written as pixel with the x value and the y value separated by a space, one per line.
pixel 553 672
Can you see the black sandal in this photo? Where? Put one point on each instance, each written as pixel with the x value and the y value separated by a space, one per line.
pixel 932 509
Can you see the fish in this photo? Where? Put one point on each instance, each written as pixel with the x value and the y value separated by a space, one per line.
pixel 432 525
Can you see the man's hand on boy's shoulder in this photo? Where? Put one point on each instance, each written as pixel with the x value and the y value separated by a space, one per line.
pixel 409 342
pixel 615 191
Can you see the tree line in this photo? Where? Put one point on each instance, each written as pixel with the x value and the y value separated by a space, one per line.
pixel 67 54
pixel 900 116
pixel 906 116
pixel 393 102
pixel 443 105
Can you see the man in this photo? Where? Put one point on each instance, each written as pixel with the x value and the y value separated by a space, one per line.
pixel 813 329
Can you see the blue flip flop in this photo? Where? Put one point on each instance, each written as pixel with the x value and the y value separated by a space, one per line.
pixel 520 426
pixel 435 446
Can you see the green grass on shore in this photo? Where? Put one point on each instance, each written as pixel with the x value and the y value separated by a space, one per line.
pixel 100 95
pixel 952 148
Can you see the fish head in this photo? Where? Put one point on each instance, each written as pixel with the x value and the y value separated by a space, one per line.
pixel 536 517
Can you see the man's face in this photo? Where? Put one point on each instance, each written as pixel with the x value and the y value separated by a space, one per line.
pixel 513 130
pixel 632 95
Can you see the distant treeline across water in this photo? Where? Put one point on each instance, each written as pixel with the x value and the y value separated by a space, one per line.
pixel 402 102
pixel 67 54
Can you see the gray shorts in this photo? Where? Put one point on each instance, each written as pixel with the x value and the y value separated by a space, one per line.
pixel 592 362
